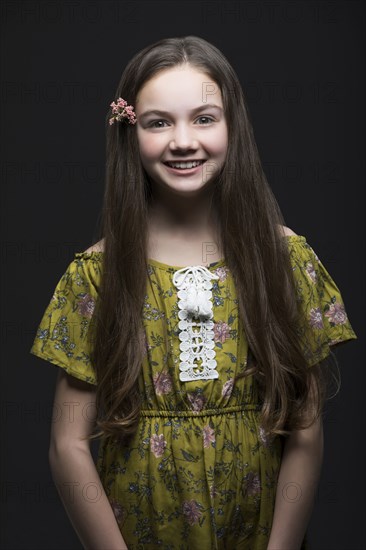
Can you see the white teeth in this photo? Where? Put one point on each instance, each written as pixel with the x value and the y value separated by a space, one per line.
pixel 184 164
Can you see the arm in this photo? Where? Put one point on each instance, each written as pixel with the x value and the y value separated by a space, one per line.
pixel 73 469
pixel 297 484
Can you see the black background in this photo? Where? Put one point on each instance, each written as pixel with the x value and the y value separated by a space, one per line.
pixel 301 65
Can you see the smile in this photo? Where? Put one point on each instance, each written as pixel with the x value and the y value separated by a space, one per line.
pixel 184 165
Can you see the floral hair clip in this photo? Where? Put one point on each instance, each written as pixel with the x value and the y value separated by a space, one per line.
pixel 122 111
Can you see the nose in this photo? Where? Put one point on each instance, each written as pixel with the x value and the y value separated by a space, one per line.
pixel 183 138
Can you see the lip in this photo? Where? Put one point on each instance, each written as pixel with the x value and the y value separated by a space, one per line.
pixel 184 160
pixel 187 171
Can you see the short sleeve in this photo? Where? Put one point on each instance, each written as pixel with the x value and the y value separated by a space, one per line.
pixel 64 335
pixel 324 321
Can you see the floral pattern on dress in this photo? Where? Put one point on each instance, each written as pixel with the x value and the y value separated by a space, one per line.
pixel 199 473
pixel 325 322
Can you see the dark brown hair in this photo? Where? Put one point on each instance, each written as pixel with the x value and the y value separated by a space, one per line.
pixel 254 249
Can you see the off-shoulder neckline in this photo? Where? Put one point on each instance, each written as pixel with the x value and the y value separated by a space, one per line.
pixel 160 265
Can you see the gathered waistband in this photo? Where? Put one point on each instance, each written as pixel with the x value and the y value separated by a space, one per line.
pixel 204 412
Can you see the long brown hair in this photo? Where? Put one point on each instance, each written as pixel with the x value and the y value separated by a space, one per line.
pixel 254 249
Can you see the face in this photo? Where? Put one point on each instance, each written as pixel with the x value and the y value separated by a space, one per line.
pixel 190 126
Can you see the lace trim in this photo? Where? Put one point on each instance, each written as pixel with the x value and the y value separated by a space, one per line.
pixel 194 290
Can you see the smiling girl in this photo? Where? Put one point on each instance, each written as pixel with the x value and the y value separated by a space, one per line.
pixel 195 334
pixel 182 152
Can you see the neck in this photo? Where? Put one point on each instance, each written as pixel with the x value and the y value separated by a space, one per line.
pixel 182 215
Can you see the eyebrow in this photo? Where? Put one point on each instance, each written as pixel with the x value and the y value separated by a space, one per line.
pixel 196 110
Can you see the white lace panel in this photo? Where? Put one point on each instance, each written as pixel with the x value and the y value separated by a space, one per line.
pixel 196 324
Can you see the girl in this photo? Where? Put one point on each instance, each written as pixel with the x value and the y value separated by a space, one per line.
pixel 194 334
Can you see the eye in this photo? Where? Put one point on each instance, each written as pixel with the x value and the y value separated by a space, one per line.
pixel 151 125
pixel 207 118
pixel 154 122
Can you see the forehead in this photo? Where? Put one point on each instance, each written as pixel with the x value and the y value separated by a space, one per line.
pixel 179 85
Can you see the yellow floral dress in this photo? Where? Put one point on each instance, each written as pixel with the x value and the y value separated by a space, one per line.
pixel 199 473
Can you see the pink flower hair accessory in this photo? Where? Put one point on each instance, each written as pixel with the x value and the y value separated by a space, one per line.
pixel 122 111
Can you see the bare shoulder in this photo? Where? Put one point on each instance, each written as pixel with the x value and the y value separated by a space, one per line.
pixel 97 247
pixel 286 231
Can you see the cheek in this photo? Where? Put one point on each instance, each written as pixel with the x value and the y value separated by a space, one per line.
pixel 150 148
pixel 217 143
